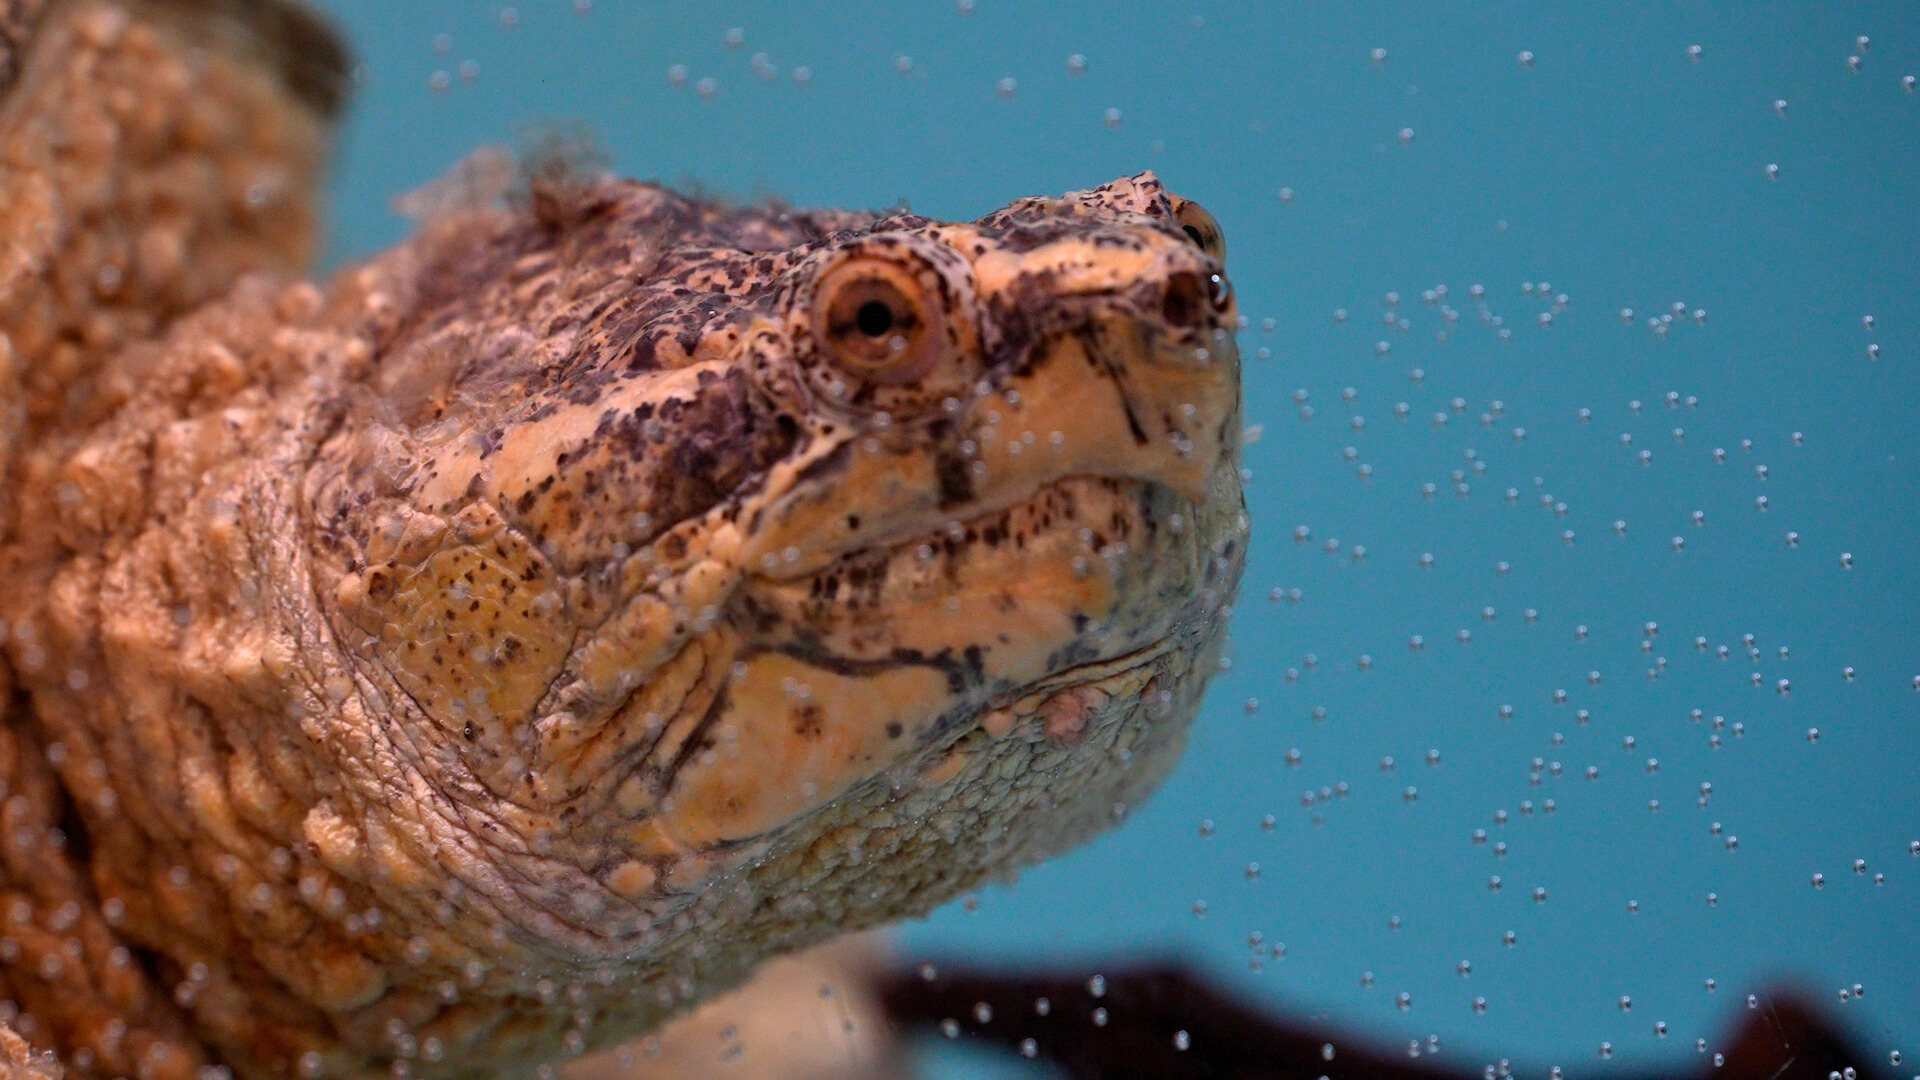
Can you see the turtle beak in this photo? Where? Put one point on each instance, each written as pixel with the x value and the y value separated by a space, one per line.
pixel 1144 382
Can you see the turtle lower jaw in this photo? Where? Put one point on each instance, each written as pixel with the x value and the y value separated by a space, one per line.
pixel 1062 606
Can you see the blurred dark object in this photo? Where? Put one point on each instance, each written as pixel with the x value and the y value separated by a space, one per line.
pixel 1155 1021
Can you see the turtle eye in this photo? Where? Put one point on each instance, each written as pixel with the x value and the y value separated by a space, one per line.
pixel 878 321
pixel 1200 227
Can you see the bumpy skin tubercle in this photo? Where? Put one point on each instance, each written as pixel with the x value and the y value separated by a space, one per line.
pixel 512 644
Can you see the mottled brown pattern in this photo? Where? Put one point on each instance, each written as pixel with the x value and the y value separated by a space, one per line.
pixel 511 644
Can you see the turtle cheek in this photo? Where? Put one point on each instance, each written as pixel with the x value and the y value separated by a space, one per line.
pixel 790 738
pixel 470 625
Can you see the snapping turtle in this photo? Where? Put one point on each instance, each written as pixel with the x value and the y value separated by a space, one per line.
pixel 510 644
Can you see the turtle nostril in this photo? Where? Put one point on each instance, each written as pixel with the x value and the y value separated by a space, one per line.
pixel 1185 302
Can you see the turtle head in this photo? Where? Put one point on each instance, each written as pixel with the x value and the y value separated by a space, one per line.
pixel 816 510
pixel 730 566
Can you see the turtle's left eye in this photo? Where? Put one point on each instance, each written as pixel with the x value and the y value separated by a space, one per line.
pixel 877 320
pixel 1200 227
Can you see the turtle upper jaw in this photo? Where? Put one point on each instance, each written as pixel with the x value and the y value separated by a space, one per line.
pixel 1108 399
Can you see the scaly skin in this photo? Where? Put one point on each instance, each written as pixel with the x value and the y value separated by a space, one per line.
pixel 510 645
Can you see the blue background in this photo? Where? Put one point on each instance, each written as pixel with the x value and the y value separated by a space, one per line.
pixel 1614 168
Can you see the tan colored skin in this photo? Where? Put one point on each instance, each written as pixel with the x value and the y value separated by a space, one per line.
pixel 514 643
pixel 814 1015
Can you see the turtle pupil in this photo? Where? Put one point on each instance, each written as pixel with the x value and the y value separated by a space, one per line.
pixel 874 318
pixel 1193 233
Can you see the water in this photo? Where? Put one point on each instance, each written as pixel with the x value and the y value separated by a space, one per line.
pixel 1615 169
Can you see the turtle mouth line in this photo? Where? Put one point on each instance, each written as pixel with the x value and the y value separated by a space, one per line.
pixel 1064 707
pixel 1097 672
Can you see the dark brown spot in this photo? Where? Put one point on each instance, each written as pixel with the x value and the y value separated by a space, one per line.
pixel 956 485
pixel 1184 303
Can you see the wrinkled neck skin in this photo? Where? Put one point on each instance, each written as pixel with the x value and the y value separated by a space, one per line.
pixel 149 156
pixel 428 681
